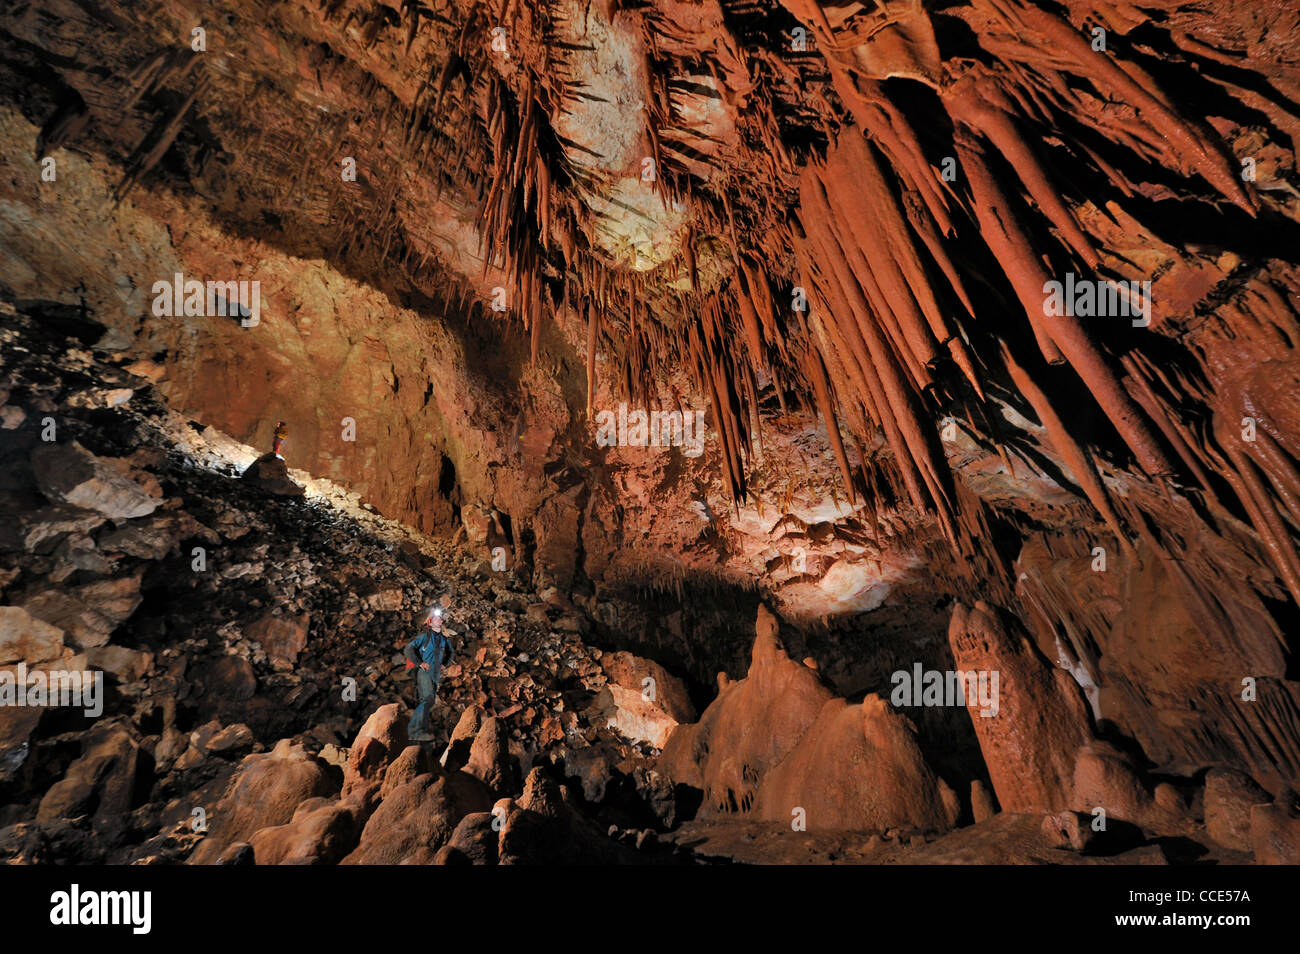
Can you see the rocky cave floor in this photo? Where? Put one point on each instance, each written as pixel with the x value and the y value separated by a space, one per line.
pixel 257 698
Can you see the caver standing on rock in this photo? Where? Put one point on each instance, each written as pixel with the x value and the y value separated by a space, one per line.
pixel 426 655
pixel 281 432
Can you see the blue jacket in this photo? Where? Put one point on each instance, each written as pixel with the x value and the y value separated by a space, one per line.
pixel 433 648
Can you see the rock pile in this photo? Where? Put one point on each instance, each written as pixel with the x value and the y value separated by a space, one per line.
pixel 245 633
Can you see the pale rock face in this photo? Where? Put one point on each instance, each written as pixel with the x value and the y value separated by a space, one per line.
pixel 68 473
pixel 636 718
pixel 644 701
pixel 25 638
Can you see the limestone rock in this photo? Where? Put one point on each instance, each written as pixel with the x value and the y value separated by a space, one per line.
pixel 232 738
pixel 750 727
pixel 1275 834
pixel 282 636
pixel 25 638
pixel 101 782
pixel 126 664
pixel 417 818
pixel 981 802
pixel 41 529
pixel 414 760
pixel 1083 832
pixel 642 700
pixel 89 613
pixel 475 839
pixel 265 792
pixel 271 474
pixel 857 768
pixel 151 538
pixel 17 723
pixel 462 736
pixel 1042 718
pixel 386 599
pixel 543 828
pixel 321 832
pixel 239 854
pixel 68 473
pixel 380 742
pixel 1229 798
pixel 490 760
pixel 1104 777
pixel 231 678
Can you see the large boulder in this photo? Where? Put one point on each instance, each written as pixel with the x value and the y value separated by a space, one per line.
pixel 102 782
pixel 474 841
pixel 25 638
pixel 266 791
pixel 858 768
pixel 230 678
pixel 68 473
pixel 282 637
pixel 750 727
pixel 41 529
pixel 1042 719
pixel 414 760
pixel 125 664
pixel 150 538
pixel 88 613
pixel 1105 777
pixel 271 474
pixel 642 700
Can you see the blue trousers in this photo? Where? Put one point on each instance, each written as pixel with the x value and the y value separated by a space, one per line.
pixel 427 689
